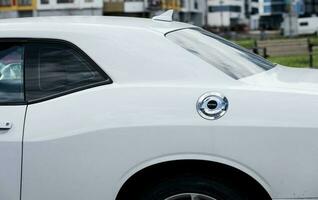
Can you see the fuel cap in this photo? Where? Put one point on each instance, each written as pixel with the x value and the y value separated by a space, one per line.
pixel 212 105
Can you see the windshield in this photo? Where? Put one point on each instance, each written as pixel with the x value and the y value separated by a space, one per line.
pixel 228 57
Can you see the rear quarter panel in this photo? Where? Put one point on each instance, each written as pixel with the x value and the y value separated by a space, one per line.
pixel 85 145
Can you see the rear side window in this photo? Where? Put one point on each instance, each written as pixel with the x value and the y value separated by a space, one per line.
pixel 55 69
pixel 226 56
pixel 303 23
pixel 11 73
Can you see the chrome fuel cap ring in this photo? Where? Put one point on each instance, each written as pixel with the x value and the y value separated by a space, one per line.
pixel 212 105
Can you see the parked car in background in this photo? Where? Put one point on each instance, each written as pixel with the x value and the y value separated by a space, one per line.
pixel 113 108
pixel 307 25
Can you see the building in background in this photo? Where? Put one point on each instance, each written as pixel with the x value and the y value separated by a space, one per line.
pixel 269 14
pixel 17 8
pixel 310 8
pixel 157 7
pixel 193 12
pixel 220 14
pixel 190 11
pixel 226 13
pixel 69 7
pixel 134 8
pixel 29 8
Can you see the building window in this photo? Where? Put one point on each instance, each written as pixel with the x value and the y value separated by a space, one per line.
pixel 5 2
pixel 235 8
pixel 274 8
pixel 25 2
pixel 303 23
pixel 182 3
pixel 196 5
pixel 65 1
pixel 254 11
pixel 274 1
pixel 44 1
pixel 224 9
pixel 267 9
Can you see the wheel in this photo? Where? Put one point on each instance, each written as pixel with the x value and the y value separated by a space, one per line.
pixel 192 188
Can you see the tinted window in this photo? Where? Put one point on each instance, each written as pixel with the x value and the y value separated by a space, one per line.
pixel 11 73
pixel 53 69
pixel 254 11
pixel 303 23
pixel 44 1
pixel 225 8
pixel 5 2
pixel 220 53
pixel 65 1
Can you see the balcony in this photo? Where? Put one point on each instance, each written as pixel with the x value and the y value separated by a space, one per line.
pixel 17 5
pixel 111 6
pixel 171 4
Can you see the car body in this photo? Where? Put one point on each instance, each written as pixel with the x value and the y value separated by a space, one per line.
pixel 141 119
pixel 307 25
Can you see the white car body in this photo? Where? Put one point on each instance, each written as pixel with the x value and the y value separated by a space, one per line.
pixel 307 25
pixel 88 144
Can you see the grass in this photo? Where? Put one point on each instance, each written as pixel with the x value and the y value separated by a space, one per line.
pixel 246 43
pixel 291 61
pixel 314 40
pixel 295 60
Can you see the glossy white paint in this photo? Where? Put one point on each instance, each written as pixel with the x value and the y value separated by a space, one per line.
pixel 11 151
pixel 85 145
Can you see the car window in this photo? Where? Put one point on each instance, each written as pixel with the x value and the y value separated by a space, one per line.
pixel 53 69
pixel 228 57
pixel 303 23
pixel 11 73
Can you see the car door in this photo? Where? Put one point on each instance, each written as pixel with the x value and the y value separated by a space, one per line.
pixel 12 114
pixel 62 87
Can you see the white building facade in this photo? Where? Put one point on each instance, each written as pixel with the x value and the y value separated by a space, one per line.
pixel 193 12
pixel 134 8
pixel 269 14
pixel 226 13
pixel 69 7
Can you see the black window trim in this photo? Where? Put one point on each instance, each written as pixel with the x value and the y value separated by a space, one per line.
pixel 26 41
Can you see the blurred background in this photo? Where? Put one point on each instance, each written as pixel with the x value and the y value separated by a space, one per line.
pixel 284 31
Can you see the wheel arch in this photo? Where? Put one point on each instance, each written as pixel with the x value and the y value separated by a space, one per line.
pixel 175 160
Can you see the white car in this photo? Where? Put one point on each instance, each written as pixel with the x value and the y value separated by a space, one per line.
pixel 113 108
pixel 307 25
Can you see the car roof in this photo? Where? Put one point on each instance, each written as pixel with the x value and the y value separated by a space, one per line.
pixel 92 21
pixel 129 50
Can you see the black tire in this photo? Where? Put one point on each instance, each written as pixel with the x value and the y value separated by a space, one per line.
pixel 215 188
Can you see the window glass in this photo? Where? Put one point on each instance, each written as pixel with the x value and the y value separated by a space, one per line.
pixel 65 1
pixel 220 53
pixel 44 1
pixel 11 73
pixel 53 69
pixel 254 11
pixel 5 2
pixel 24 2
pixel 224 9
pixel 303 23
pixel 267 9
pixel 196 5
